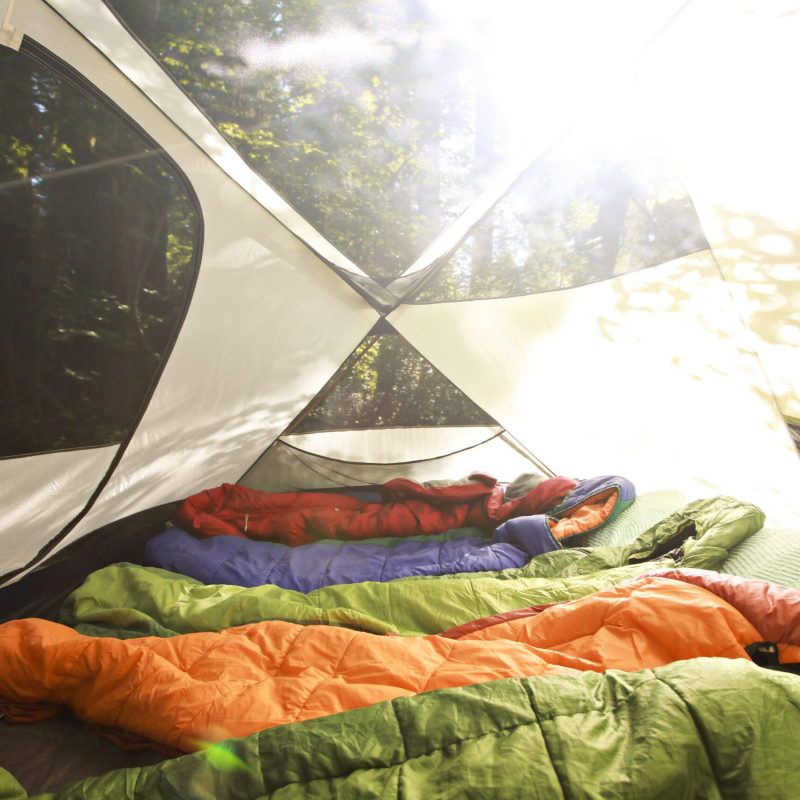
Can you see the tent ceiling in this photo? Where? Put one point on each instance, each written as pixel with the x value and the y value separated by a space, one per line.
pixel 362 115
pixel 380 121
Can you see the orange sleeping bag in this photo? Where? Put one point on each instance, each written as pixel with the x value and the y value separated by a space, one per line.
pixel 191 689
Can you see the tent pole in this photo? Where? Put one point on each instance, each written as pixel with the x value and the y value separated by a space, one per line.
pixel 512 441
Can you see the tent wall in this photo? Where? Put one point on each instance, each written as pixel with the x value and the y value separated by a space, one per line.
pixel 647 375
pixel 269 323
pixel 41 494
pixel 658 375
pixel 41 592
pixel 724 106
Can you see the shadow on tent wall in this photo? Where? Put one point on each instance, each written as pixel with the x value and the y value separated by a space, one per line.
pixel 42 592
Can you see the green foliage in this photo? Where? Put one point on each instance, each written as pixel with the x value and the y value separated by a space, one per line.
pixel 98 239
pixel 576 216
pixel 351 139
pixel 385 383
pixel 15 155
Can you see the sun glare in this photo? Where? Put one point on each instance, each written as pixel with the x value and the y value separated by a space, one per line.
pixel 550 62
pixel 535 67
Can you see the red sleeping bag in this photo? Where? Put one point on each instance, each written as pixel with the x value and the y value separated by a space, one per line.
pixel 408 509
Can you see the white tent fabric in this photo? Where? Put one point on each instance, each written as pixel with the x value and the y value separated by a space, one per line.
pixel 277 320
pixel 675 376
pixel 43 493
pixel 724 108
pixel 645 375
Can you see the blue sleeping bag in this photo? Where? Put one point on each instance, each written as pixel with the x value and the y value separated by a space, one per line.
pixel 246 562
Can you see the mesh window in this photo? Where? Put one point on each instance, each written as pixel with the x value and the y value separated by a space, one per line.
pixel 376 120
pixel 594 207
pixel 386 383
pixel 96 262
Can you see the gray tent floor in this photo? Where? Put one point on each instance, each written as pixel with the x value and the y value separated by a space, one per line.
pixel 49 755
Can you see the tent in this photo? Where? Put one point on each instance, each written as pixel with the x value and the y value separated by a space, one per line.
pixel 301 245
pixel 690 358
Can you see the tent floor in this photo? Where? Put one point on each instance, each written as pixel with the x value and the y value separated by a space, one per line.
pixel 41 592
pixel 48 756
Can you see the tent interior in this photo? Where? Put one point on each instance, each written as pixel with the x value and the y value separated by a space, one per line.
pixel 301 247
